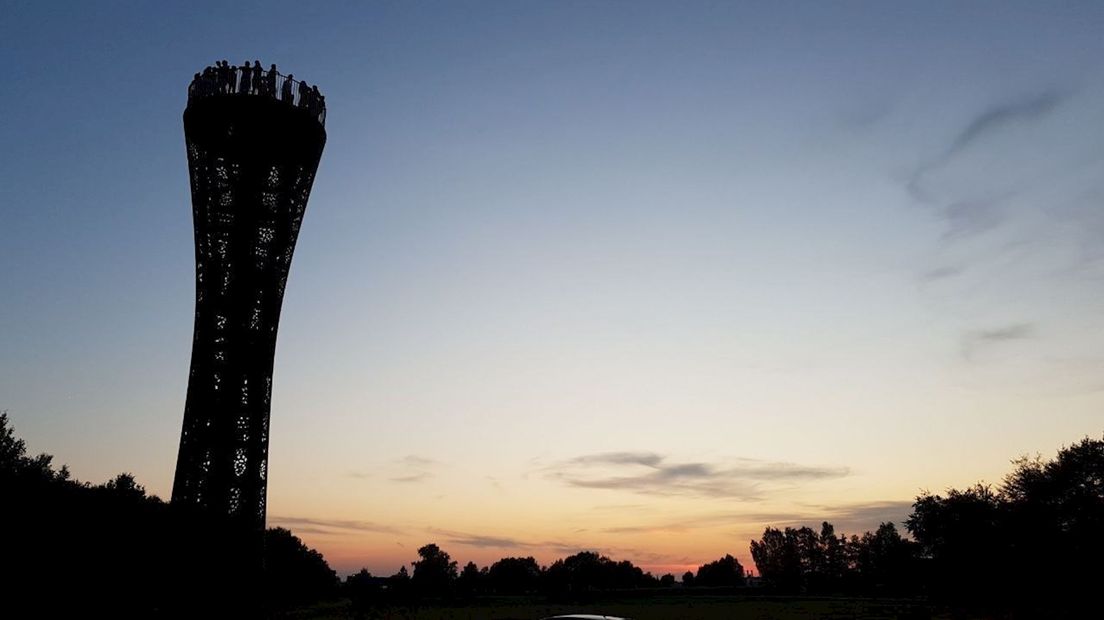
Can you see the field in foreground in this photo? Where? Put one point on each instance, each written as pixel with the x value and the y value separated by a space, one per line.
pixel 666 608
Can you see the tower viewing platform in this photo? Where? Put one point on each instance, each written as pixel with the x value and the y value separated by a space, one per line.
pixel 257 82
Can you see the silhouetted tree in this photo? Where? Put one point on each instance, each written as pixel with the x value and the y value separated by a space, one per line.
pixel 1035 544
pixel 434 573
pixel 514 575
pixel 667 580
pixel 470 582
pixel 295 574
pixel 964 537
pixel 885 562
pixel 778 559
pixel 1056 519
pixel 726 571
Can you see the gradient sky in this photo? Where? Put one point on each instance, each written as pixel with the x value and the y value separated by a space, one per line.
pixel 635 277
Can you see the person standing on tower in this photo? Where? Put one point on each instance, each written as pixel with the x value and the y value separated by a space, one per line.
pixel 258 78
pixel 270 82
pixel 285 92
pixel 304 94
pixel 316 103
pixel 223 76
pixel 246 78
pixel 232 84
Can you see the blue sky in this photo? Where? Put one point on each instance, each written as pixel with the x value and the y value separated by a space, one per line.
pixel 859 238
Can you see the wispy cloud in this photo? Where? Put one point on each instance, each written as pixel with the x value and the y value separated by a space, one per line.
pixel 1005 114
pixel 414 468
pixel 941 273
pixel 652 474
pixel 331 526
pixel 976 340
pixel 413 460
pixel 484 541
pixel 856 517
pixel 415 477
pixel 973 215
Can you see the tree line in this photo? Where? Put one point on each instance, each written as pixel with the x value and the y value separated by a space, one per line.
pixel 1033 542
pixel 76 548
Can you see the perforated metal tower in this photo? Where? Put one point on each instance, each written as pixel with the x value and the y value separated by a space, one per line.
pixel 253 150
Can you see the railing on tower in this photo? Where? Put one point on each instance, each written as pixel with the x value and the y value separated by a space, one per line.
pixel 233 82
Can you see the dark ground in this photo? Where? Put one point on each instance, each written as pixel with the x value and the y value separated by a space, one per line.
pixel 664 608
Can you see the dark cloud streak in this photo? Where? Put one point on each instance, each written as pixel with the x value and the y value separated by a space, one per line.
pixel 327 526
pixel 651 474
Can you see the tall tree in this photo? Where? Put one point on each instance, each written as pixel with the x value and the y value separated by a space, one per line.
pixel 434 573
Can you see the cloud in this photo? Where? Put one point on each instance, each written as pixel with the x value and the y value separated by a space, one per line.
pixel 864 516
pixel 502 542
pixel 414 469
pixel 941 273
pixel 1002 115
pixel 966 217
pixel 977 340
pixel 413 460
pixel 331 526
pixel 415 477
pixel 482 541
pixel 650 459
pixel 652 474
pixel 850 518
pixel 972 217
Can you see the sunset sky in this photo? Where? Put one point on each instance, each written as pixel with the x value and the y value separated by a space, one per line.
pixel 635 277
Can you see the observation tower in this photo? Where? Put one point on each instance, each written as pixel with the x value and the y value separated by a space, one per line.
pixel 254 140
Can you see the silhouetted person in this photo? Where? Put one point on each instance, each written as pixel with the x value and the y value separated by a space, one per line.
pixel 304 94
pixel 208 87
pixel 316 104
pixel 232 84
pixel 223 76
pixel 270 82
pixel 258 78
pixel 246 78
pixel 285 92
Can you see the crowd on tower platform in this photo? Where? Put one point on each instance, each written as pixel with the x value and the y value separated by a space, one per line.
pixel 226 79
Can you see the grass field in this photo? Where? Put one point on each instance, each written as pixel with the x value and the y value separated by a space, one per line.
pixel 666 608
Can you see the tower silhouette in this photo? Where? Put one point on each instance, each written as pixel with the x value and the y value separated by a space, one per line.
pixel 253 150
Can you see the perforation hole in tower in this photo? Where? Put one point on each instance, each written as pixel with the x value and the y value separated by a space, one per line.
pixel 270 200
pixel 234 506
pixel 222 248
pixel 242 426
pixel 265 237
pixel 239 462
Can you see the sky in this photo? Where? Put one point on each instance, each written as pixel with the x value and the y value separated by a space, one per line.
pixel 642 278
